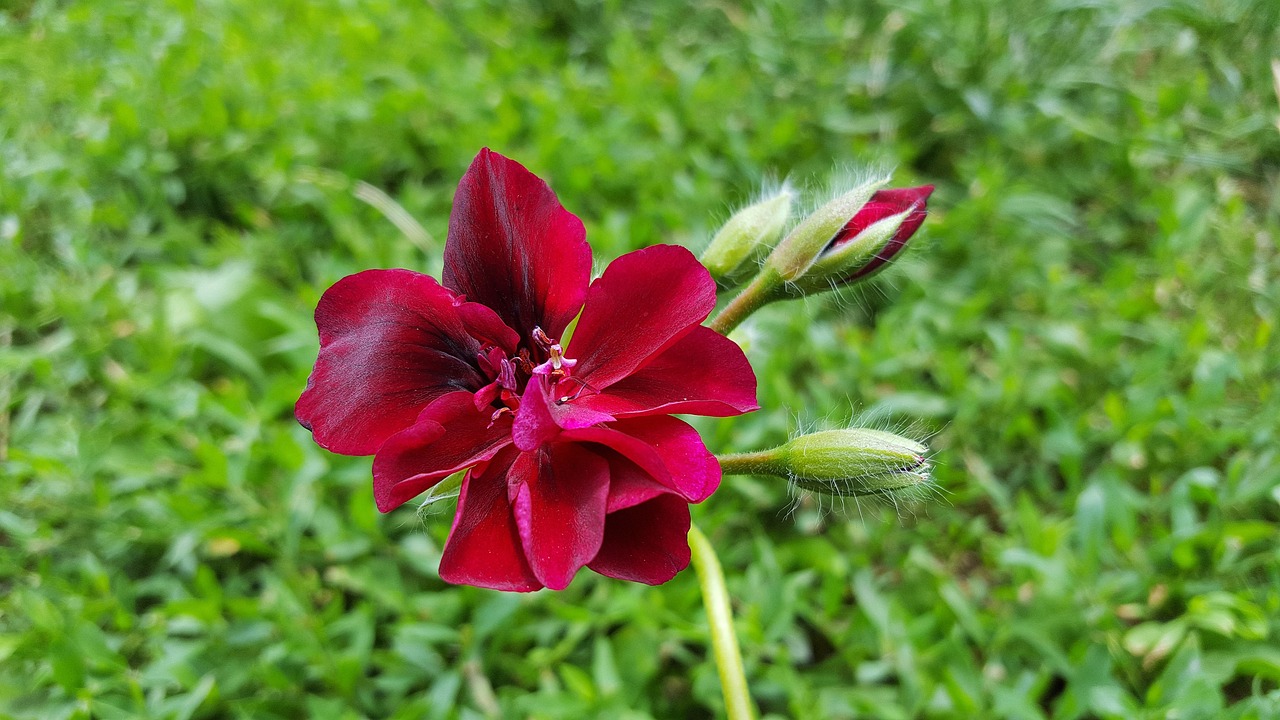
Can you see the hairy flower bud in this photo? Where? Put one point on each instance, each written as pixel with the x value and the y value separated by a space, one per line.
pixel 856 461
pixel 802 246
pixel 868 241
pixel 853 462
pixel 746 236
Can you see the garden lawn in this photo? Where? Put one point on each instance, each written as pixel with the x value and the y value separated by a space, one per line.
pixel 1085 331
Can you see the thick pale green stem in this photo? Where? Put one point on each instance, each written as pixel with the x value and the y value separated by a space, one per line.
pixel 6 382
pixel 715 597
pixel 764 289
pixel 765 462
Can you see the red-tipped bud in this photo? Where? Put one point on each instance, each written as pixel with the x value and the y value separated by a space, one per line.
pixel 802 247
pixel 886 203
pixel 868 241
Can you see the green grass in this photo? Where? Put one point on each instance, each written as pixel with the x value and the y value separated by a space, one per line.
pixel 1086 326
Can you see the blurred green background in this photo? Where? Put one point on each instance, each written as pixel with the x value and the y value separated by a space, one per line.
pixel 1086 328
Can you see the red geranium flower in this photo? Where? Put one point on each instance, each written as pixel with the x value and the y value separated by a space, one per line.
pixel 574 458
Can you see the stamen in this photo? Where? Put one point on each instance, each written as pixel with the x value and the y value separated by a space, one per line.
pixel 542 339
pixel 499 413
pixel 507 375
pixel 582 386
pixel 522 362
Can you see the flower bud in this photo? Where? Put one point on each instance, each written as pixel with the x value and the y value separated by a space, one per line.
pixel 855 462
pixel 802 246
pixel 868 241
pixel 746 236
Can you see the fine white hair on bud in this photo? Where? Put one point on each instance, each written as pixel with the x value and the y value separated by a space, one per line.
pixel 845 463
pixel 749 233
pixel 856 462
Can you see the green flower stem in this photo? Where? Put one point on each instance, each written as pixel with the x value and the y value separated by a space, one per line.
pixel 6 387
pixel 715 597
pixel 765 462
pixel 764 289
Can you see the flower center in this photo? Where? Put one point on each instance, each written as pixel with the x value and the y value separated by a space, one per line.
pixel 510 375
pixel 557 365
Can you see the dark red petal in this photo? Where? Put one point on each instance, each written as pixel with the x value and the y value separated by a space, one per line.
pixel 645 301
pixel 391 341
pixel 486 327
pixel 668 449
pixel 560 509
pixel 695 472
pixel 704 373
pixel 634 450
pixel 534 426
pixel 541 418
pixel 648 543
pixel 514 248
pixel 485 396
pixel 449 435
pixel 629 484
pixel 484 547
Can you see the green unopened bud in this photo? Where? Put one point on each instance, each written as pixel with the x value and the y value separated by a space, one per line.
pixel 748 235
pixel 850 463
pixel 856 462
pixel 802 246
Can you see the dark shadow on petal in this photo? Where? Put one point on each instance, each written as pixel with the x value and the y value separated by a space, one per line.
pixel 647 543
pixel 391 341
pixel 514 248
